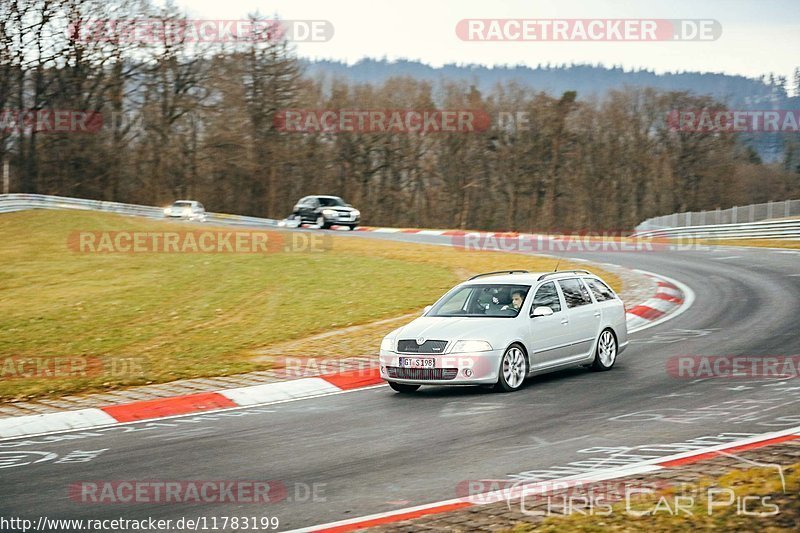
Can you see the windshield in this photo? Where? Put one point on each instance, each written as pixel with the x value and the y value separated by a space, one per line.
pixel 330 200
pixel 482 300
pixel 182 204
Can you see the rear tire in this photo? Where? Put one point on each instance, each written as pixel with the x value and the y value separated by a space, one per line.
pixel 513 369
pixel 402 388
pixel 606 353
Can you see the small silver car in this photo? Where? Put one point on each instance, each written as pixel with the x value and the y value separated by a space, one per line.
pixel 499 328
pixel 186 209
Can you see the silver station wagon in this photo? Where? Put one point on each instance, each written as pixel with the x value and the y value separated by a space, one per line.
pixel 499 328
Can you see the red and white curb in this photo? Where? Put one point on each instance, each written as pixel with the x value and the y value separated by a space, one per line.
pixel 444 232
pixel 671 299
pixel 459 233
pixel 406 230
pixel 193 403
pixel 644 467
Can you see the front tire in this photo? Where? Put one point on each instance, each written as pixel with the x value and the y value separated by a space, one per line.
pixel 402 388
pixel 513 369
pixel 321 222
pixel 606 353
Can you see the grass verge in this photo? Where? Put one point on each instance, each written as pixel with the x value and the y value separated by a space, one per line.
pixel 156 317
pixel 758 243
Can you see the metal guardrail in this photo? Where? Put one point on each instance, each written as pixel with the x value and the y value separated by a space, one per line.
pixel 738 214
pixel 768 229
pixel 21 202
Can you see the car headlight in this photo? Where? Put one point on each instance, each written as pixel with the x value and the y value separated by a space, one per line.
pixel 329 213
pixel 356 212
pixel 387 344
pixel 471 346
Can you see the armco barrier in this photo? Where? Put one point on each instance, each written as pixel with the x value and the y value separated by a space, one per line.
pixel 20 202
pixel 738 214
pixel 768 229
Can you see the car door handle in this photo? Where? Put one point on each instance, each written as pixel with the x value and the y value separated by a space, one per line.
pixel 597 314
pixel 565 321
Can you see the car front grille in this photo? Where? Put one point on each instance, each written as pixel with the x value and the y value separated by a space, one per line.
pixel 422 373
pixel 411 346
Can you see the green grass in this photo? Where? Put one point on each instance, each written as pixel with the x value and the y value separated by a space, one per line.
pixel 758 243
pixel 204 314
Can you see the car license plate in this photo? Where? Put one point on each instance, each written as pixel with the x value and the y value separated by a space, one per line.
pixel 417 362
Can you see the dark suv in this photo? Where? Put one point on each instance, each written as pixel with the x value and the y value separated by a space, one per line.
pixel 326 211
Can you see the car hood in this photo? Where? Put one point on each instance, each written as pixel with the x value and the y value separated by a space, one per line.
pixel 453 328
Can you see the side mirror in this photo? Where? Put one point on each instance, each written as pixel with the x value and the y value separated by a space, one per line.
pixel 542 311
pixel 427 308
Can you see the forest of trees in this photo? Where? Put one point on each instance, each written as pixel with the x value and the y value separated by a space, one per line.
pixel 197 121
pixel 585 79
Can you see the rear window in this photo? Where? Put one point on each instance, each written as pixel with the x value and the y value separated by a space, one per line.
pixel 575 294
pixel 600 290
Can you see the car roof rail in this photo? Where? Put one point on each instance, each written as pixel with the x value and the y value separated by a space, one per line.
pixel 544 276
pixel 499 272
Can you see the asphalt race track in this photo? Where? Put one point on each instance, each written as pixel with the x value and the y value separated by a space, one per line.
pixel 372 450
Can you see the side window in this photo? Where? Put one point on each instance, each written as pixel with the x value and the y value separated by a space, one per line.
pixel 575 294
pixel 600 290
pixel 547 296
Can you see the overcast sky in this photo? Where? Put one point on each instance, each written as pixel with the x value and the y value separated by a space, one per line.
pixel 758 36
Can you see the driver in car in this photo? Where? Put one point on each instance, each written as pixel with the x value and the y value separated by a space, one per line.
pixel 517 298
